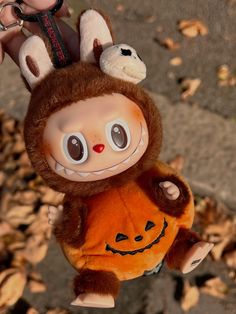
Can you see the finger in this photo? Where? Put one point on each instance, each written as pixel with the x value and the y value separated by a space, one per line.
pixel 69 36
pixel 12 47
pixel 34 6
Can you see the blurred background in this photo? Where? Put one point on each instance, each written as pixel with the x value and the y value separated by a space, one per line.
pixel 189 49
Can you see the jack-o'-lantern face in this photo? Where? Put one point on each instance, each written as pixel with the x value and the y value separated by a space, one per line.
pixel 143 240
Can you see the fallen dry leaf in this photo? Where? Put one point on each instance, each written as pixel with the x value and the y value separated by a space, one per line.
pixel 36 286
pixel 177 163
pixel 192 28
pixel 20 215
pixel 225 77
pixel 189 87
pixel 215 287
pixel 190 296
pixel 32 311
pixel 12 288
pixel 230 259
pixel 168 43
pixel 222 234
pixel 150 19
pixel 176 61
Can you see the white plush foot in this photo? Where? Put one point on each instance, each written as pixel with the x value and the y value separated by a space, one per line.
pixel 94 300
pixel 195 256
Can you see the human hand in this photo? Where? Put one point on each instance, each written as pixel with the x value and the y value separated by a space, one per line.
pixel 12 39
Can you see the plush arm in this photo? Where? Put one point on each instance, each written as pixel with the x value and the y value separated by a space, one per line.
pixel 182 205
pixel 70 229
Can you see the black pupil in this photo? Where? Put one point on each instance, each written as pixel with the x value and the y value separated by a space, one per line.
pixel 75 148
pixel 126 52
pixel 119 136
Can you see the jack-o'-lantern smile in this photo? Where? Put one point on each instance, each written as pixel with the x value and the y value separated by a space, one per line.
pixel 141 250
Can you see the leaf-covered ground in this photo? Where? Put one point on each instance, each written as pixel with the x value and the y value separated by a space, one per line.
pixel 25 232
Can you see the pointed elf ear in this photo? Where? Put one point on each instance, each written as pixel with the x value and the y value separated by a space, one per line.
pixel 34 60
pixel 95 34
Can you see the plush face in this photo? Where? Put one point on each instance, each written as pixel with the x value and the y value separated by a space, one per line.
pixel 95 138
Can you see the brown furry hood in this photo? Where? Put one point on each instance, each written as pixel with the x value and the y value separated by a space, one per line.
pixel 79 82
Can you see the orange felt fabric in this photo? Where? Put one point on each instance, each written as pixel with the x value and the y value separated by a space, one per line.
pixel 126 210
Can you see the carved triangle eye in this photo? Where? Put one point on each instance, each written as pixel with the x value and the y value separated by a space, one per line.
pixel 149 225
pixel 121 237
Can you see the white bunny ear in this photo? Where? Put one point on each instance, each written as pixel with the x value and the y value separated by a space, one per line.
pixel 95 35
pixel 34 60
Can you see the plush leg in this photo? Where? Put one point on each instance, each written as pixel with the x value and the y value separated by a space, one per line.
pixel 95 289
pixel 187 251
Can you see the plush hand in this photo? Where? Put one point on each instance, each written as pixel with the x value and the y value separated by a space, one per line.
pixel 170 190
pixel 55 215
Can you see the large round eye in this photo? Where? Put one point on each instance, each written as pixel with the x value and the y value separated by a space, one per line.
pixel 118 135
pixel 75 148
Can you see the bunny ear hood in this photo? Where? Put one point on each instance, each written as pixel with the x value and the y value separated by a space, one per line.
pixel 69 85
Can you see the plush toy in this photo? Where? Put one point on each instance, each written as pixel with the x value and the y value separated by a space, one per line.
pixel 94 135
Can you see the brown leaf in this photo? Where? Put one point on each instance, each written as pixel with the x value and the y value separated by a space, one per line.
pixel 189 87
pixel 230 259
pixel 168 43
pixel 177 163
pixel 2 177
pixel 25 197
pixel 215 287
pixel 5 229
pixel 12 288
pixel 32 311
pixel 176 61
pixel 49 196
pixel 36 286
pixel 150 19
pixel 22 214
pixel 192 28
pixel 190 297
pixel 35 250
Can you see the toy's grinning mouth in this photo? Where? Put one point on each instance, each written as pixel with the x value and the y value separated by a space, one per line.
pixel 162 234
pixel 59 167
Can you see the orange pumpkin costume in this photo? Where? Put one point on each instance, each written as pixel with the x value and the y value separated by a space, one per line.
pixel 127 210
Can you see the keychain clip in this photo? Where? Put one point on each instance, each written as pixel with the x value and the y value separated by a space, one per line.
pixel 19 22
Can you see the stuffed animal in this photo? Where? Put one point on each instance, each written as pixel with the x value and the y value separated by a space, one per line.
pixel 94 135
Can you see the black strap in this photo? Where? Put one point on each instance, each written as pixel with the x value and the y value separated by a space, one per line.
pixel 61 56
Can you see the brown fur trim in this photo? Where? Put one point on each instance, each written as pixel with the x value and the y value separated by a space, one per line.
pixel 171 207
pixel 71 228
pixel 106 18
pixel 182 244
pixel 100 282
pixel 69 85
